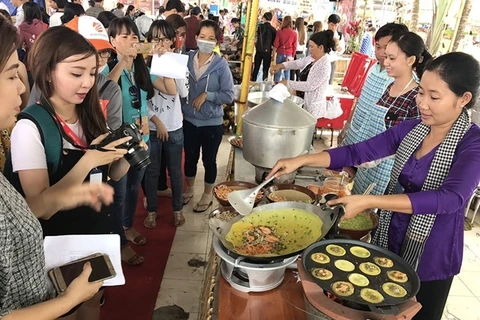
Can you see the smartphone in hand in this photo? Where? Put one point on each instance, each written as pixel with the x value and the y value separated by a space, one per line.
pixel 102 269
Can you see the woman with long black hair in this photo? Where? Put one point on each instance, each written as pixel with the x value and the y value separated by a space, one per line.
pixel 133 76
pixel 70 116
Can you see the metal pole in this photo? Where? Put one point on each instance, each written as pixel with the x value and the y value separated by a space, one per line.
pixel 252 16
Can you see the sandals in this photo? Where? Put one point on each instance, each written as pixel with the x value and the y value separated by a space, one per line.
pixel 134 260
pixel 179 219
pixel 150 221
pixel 139 239
pixel 201 205
pixel 186 199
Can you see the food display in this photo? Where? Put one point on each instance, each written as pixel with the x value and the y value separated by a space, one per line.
pixel 370 268
pixel 360 252
pixel 320 258
pixel 322 273
pixel 371 296
pixel 344 265
pixel 360 272
pixel 289 195
pixel 361 221
pixel 336 250
pixel 273 233
pixel 397 276
pixel 236 142
pixel 394 290
pixel 383 262
pixel 358 280
pixel 343 288
pixel 222 190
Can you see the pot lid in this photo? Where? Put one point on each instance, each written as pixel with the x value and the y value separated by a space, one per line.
pixel 273 113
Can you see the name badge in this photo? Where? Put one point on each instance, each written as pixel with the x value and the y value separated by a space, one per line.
pixel 96 176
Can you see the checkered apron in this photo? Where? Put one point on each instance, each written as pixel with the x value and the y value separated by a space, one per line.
pixel 367 122
pixel 375 85
pixel 420 225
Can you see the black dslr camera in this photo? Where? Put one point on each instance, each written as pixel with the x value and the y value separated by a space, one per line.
pixel 136 156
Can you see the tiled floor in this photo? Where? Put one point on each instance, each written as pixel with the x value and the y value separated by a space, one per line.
pixel 182 284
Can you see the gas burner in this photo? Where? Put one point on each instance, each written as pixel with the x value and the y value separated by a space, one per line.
pixel 250 276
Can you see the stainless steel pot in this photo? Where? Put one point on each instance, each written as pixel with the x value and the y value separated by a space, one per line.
pixel 256 98
pixel 274 130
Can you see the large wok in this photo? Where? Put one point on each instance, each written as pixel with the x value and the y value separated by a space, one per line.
pixel 220 225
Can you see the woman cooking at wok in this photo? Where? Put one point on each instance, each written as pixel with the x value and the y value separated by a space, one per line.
pixel 435 173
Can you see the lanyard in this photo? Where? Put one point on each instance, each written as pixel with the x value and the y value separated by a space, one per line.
pixel 131 80
pixel 64 129
pixel 77 142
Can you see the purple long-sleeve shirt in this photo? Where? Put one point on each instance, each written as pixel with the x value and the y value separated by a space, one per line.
pixel 442 257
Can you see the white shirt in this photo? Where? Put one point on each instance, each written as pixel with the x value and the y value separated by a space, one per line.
pixel 167 107
pixel 55 20
pixel 28 152
pixel 333 55
pixel 3 6
pixel 143 24
pixel 20 16
pixel 315 87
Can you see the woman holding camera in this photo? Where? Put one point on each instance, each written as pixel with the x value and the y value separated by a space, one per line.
pixel 74 120
pixel 133 76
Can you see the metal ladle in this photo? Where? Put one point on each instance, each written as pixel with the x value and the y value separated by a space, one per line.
pixel 243 200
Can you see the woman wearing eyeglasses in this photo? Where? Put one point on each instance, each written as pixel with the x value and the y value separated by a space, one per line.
pixel 133 76
pixel 166 134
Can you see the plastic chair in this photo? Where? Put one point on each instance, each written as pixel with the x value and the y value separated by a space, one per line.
pixel 356 73
pixel 337 123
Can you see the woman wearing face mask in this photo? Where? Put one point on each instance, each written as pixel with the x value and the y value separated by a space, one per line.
pixel 66 77
pixel 435 173
pixel 315 71
pixel 166 133
pixel 211 85
pixel 133 76
pixel 20 231
pixel 398 103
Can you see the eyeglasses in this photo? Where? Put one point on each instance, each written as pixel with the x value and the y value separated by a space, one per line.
pixel 135 97
pixel 161 40
pixel 104 54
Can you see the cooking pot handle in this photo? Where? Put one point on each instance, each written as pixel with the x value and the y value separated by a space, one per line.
pixel 341 210
pixel 387 310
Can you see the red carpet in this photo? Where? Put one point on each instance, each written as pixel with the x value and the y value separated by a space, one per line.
pixel 136 299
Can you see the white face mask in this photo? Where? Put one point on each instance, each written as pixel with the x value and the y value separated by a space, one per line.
pixel 100 69
pixel 206 46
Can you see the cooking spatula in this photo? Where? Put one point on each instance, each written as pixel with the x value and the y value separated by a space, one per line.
pixel 243 200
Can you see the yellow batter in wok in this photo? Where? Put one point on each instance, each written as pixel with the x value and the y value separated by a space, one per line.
pixel 276 232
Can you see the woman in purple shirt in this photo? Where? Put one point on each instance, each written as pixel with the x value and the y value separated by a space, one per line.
pixel 434 175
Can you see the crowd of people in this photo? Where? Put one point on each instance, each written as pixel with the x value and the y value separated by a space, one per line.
pixel 93 84
pixel 96 81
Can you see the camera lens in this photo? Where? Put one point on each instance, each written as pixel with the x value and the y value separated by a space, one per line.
pixel 139 158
